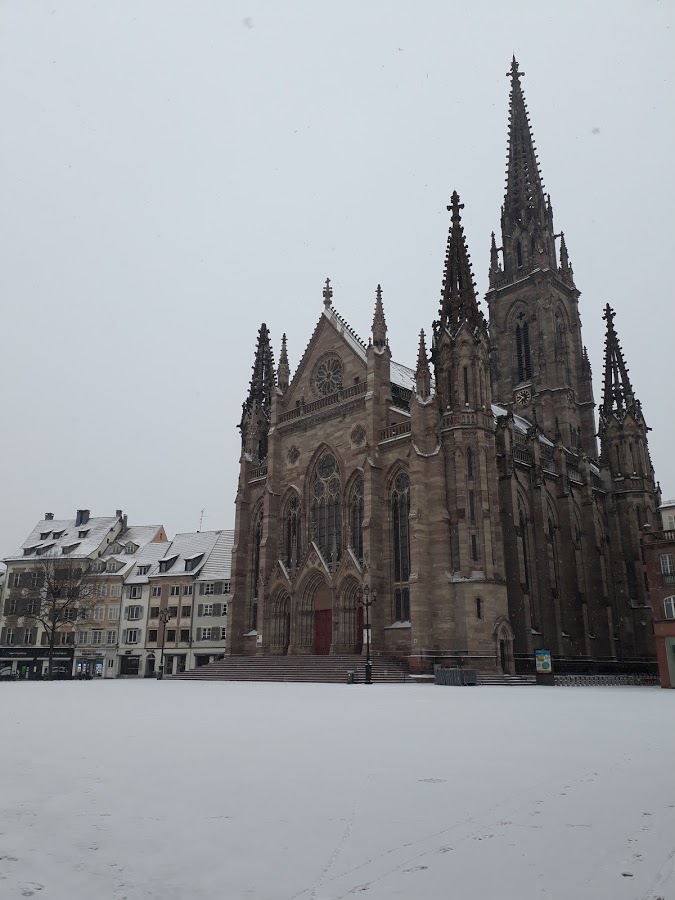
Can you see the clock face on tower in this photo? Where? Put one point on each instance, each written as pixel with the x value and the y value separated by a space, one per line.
pixel 523 397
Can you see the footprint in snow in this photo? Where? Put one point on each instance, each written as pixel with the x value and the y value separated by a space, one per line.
pixel 415 869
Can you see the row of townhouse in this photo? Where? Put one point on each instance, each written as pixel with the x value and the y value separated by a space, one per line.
pixel 147 600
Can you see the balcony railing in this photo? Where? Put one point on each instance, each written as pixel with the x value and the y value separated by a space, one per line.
pixel 398 430
pixel 306 409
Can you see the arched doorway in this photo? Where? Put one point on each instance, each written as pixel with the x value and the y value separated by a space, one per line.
pixel 349 627
pixel 503 636
pixel 280 624
pixel 323 619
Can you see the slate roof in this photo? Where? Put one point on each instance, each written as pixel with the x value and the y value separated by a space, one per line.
pixel 98 529
pixel 219 562
pixel 184 547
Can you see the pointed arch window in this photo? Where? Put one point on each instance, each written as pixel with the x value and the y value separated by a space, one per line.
pixel 523 351
pixel 356 510
pixel 293 534
pixel 519 254
pixel 469 462
pixel 400 512
pixel 326 500
pixel 255 570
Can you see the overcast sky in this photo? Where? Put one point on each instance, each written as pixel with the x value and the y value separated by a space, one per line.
pixel 174 173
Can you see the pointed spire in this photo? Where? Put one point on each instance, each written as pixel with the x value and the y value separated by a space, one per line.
pixel 618 396
pixel 495 268
pixel 586 363
pixel 284 370
pixel 379 323
pixel 458 297
pixel 263 378
pixel 327 294
pixel 527 211
pixel 422 373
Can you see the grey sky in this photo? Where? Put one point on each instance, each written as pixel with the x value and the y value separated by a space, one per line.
pixel 174 173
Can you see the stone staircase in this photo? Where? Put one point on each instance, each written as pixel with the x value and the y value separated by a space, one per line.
pixel 321 669
pixel 511 680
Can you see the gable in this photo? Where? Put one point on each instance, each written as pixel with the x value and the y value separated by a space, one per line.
pixel 335 357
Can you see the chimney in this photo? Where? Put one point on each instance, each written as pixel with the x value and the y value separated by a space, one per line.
pixel 82 517
pixel 49 517
pixel 124 523
pixel 118 513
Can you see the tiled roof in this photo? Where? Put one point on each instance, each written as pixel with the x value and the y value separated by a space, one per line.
pixel 219 562
pixel 184 547
pixel 97 531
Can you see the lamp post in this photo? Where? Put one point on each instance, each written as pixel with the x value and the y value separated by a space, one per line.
pixel 164 616
pixel 366 598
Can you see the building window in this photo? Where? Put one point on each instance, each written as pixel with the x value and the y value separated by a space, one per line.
pixel 131 636
pixel 255 570
pixel 97 637
pixel 466 385
pixel 17 579
pixel 152 635
pixel 472 507
pixel 187 590
pixel 171 635
pixel 474 547
pixel 400 511
pixel 209 588
pixel 185 635
pixel 154 612
pixel 133 613
pixel 111 637
pixel 135 591
pixel 173 612
pixel 479 608
pixel 115 590
pixel 185 612
pixel 523 352
pixel 356 512
pixel 293 534
pixel 142 570
pixel 206 634
pixel 99 613
pixel 113 613
pixel 101 590
pixel 111 662
pixel 327 508
pixel 667 564
pixel 469 462
pixel 175 590
pixel 82 637
pixel 156 591
pixel 9 636
pixel 208 609
pixel 669 607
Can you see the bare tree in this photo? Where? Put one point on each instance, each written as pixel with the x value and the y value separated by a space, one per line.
pixel 58 590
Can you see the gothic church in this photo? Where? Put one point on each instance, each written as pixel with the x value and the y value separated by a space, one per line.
pixel 467 493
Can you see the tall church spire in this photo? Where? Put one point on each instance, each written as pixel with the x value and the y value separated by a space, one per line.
pixel 527 217
pixel 422 373
pixel 284 370
pixel 263 378
pixel 618 396
pixel 458 297
pixel 379 322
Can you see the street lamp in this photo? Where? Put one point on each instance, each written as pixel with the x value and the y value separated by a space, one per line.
pixel 164 616
pixel 366 598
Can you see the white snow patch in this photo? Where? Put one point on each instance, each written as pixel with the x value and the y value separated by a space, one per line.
pixel 176 790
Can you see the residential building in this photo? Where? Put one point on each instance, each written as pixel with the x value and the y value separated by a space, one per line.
pixel 659 553
pixel 467 492
pixel 189 592
pixel 120 574
pixel 667 511
pixel 90 626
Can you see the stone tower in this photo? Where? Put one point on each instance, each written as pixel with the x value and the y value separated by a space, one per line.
pixel 633 492
pixel 538 357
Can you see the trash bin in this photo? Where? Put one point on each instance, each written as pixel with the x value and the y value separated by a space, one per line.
pixel 350 677
pixel 160 675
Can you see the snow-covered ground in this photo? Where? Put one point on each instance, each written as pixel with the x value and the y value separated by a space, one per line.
pixel 182 791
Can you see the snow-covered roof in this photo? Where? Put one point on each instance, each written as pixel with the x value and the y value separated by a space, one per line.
pixel 402 376
pixel 136 535
pixel 219 562
pixel 521 425
pixel 52 535
pixel 148 555
pixel 185 547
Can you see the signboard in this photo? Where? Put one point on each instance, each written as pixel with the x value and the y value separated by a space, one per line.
pixel 543 661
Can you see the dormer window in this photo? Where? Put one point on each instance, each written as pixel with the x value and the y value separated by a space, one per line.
pixel 81 534
pixel 41 550
pixel 57 534
pixel 70 547
pixel 192 562
pixel 98 567
pixel 142 570
pixel 44 535
pixel 131 548
pixel 115 548
pixel 28 550
pixel 165 564
pixel 112 565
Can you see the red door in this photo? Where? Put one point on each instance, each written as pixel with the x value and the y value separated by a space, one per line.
pixel 323 631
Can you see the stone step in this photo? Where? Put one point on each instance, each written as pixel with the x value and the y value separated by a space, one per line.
pixel 323 669
pixel 509 680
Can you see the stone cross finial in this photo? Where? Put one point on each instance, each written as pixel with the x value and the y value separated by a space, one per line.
pixel 327 294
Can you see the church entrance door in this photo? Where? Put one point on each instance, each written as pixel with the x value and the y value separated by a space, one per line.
pixel 323 621
pixel 503 658
pixel 323 631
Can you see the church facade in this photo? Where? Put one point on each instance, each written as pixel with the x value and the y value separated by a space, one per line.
pixel 467 493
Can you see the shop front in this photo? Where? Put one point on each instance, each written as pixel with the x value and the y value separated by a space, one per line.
pixel 33 663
